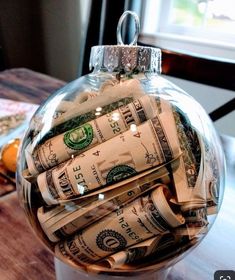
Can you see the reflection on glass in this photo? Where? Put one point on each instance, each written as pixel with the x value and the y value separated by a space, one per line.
pixel 133 127
pixel 81 189
pixel 101 196
pixel 98 109
pixel 115 116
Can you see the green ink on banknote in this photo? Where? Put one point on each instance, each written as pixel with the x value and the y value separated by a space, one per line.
pixel 81 119
pixel 79 138
pixel 119 172
pixel 110 240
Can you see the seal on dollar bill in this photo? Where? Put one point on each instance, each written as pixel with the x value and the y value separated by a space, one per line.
pixel 110 240
pixel 119 172
pixel 79 138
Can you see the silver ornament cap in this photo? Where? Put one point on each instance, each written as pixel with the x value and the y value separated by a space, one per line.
pixel 128 58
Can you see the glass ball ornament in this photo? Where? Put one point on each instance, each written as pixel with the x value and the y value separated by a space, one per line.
pixel 121 172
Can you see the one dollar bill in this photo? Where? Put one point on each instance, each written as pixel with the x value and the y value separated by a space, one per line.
pixel 152 144
pixel 79 139
pixel 140 220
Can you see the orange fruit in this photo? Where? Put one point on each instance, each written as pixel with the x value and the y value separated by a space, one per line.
pixel 9 154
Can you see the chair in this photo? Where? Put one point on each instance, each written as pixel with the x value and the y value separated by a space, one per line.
pixel 204 70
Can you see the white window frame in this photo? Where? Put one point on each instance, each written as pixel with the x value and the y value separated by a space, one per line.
pixel 184 39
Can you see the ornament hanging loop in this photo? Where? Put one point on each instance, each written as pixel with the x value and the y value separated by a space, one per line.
pixel 119 27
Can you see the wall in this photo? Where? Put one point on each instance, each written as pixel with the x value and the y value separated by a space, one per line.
pixel 21 34
pixel 44 35
pixel 64 26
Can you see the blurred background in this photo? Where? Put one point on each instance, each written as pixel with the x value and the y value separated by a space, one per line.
pixel 43 35
pixel 55 36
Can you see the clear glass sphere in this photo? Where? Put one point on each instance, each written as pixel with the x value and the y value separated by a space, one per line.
pixel 121 173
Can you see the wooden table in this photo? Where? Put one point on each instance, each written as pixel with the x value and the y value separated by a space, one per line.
pixel 23 257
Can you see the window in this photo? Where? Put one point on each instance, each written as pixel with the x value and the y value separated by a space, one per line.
pixel 202 26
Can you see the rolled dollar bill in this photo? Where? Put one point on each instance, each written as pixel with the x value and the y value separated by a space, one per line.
pixel 205 191
pixel 122 87
pixel 142 178
pixel 151 144
pixel 129 89
pixel 66 105
pixel 196 215
pixel 188 178
pixel 196 223
pixel 140 220
pixel 197 194
pixel 192 229
pixel 80 118
pixel 61 109
pixel 138 251
pixel 64 220
pixel 212 181
pixel 68 144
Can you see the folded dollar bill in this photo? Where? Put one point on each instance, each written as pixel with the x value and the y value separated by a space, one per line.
pixel 79 139
pixel 137 221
